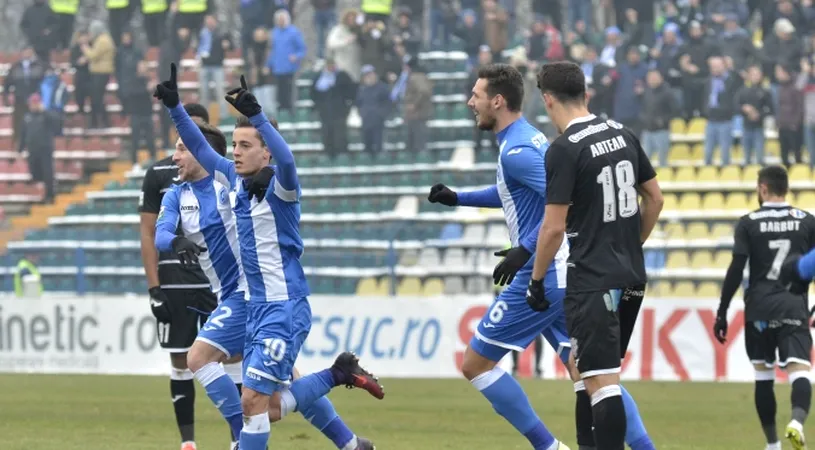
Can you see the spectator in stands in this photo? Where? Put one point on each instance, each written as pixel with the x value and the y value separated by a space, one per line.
pixel 64 18
pixel 287 52
pixel 472 33
pixel 686 13
pixel 375 43
pixel 374 104
pixel 54 93
pixel 342 44
pixel 789 115
pixel 212 47
pixel 38 26
pixel 253 16
pixel 782 9
pixel 417 105
pixel 260 76
pixel 719 92
pixel 693 63
pixel 643 11
pixel 659 106
pixel 637 33
pixel 169 53
pixel 629 89
pixel 496 33
pixel 82 76
pixel 754 103
pixel 128 56
pixel 608 55
pixel 119 14
pixel 154 14
pixel 101 54
pixel 665 57
pixel 442 22
pixel 325 17
pixel 139 101
pixel 544 42
pixel 377 10
pixel 37 136
pixel 580 11
pixel 333 92
pixel 782 48
pixel 719 12
pixel 736 43
pixel 23 79
pixel 600 81
pixel 406 32
pixel 806 82
pixel 190 15
pixel 551 8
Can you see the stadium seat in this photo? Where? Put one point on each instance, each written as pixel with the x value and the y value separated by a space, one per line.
pixel 805 200
pixel 433 287
pixel 701 259
pixel 671 202
pixel 697 230
pixel 674 230
pixel 453 285
pixel 665 174
pixel 369 287
pixel 474 233
pixel 679 152
pixel 713 201
pixel 730 174
pixel 678 126
pixel 657 288
pixel 737 201
pixel 677 259
pixel 684 289
pixel 478 285
pixel 689 201
pixel 686 174
pixel 708 289
pixel 708 174
pixel 697 125
pixel 800 172
pixel 721 230
pixel 721 258
pixel 750 173
pixel 409 286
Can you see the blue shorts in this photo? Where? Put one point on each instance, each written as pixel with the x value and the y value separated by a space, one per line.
pixel 275 332
pixel 510 324
pixel 226 327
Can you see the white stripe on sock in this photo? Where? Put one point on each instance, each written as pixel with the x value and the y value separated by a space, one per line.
pixel 486 379
pixel 235 372
pixel 792 376
pixel 605 392
pixel 352 444
pixel 180 374
pixel 555 445
pixel 579 386
pixel 257 424
pixel 765 375
pixel 209 373
pixel 288 404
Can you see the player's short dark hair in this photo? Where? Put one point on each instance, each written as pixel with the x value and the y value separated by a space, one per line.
pixel 506 81
pixel 215 137
pixel 775 178
pixel 197 110
pixel 243 122
pixel 563 80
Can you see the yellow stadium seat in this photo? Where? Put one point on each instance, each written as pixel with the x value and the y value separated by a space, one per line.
pixel 689 201
pixel 683 289
pixel 800 172
pixel 713 200
pixel 409 286
pixel 721 230
pixel 697 230
pixel 674 230
pixel 752 201
pixel 657 289
pixel 730 174
pixel 368 286
pixel 678 126
pixel 701 259
pixel 697 125
pixel 679 152
pixel 805 200
pixel 736 153
pixel 697 152
pixel 433 287
pixel 721 259
pixel 737 200
pixel 708 289
pixel 665 174
pixel 707 174
pixel 750 173
pixel 671 202
pixel 677 259
pixel 686 174
pixel 772 148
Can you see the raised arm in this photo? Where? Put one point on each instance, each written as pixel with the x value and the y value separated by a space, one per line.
pixel 167 222
pixel 286 173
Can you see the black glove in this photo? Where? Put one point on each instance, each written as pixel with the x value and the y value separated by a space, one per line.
pixel 536 296
pixel 260 183
pixel 167 91
pixel 243 100
pixel 514 259
pixel 440 193
pixel 159 305
pixel 720 327
pixel 187 250
pixel 790 278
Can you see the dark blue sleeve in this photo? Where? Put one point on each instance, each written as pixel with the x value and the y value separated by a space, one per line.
pixel 286 173
pixel 167 222
pixel 216 165
pixel 485 198
pixel 806 266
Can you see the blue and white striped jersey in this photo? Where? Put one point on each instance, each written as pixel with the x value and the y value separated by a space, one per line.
pixel 203 211
pixel 269 229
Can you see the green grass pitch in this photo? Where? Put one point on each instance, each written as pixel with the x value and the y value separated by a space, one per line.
pixel 57 412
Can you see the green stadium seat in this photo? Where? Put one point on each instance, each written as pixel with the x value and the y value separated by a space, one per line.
pixel 461 111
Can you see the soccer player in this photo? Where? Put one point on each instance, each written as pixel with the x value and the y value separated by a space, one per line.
pixel 775 319
pixel 594 171
pixel 176 292
pixel 265 201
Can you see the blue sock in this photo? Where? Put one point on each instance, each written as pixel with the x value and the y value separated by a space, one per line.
pixel 255 432
pixel 635 434
pixel 221 390
pixel 322 415
pixel 509 400
pixel 308 389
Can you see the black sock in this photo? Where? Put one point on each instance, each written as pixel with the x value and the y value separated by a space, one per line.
pixel 538 354
pixel 800 398
pixel 583 417
pixel 183 394
pixel 609 418
pixel 765 406
pixel 515 356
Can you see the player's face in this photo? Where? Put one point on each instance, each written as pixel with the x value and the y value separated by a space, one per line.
pixel 249 152
pixel 188 167
pixel 482 106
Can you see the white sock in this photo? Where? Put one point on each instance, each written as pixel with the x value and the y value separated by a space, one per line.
pixel 352 444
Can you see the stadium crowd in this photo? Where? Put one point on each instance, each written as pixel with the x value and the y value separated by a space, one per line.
pixel 745 66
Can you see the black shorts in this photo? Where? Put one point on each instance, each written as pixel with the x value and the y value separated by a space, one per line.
pixel 185 304
pixel 594 329
pixel 792 340
pixel 628 311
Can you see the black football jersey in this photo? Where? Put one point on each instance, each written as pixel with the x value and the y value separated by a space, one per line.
pixel 595 166
pixel 158 179
pixel 766 237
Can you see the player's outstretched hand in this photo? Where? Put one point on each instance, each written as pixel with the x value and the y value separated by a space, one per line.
pixel 159 305
pixel 243 100
pixel 187 250
pixel 167 91
pixel 536 296
pixel 514 259
pixel 260 183
pixel 440 193
pixel 790 278
pixel 720 327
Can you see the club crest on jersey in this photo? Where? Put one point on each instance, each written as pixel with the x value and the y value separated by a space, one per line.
pixel 222 197
pixel 797 213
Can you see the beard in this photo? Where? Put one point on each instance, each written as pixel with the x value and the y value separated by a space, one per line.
pixel 485 124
